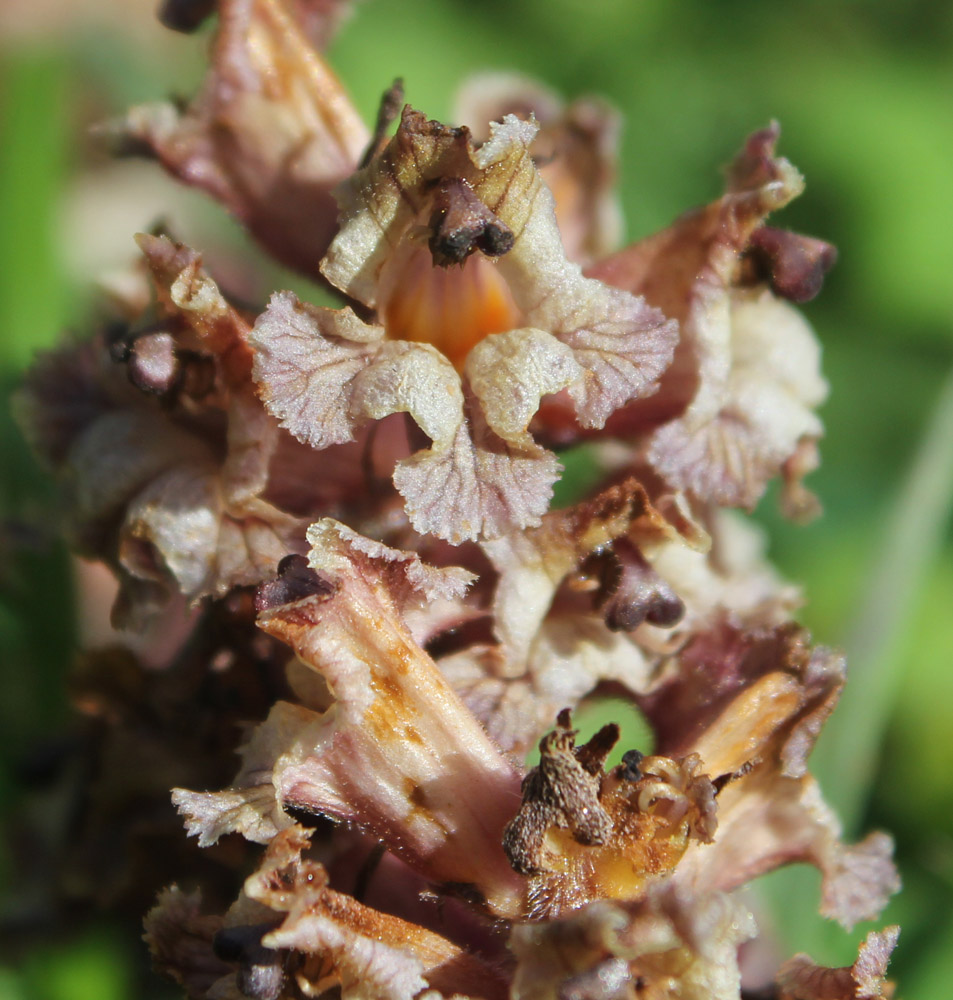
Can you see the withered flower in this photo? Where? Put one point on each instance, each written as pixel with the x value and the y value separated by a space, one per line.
pixel 369 487
pixel 270 134
pixel 157 433
pixel 736 406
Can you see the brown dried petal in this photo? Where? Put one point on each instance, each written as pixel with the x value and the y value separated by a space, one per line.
pixel 270 135
pixel 575 151
pixel 186 292
pixel 775 695
pixel 358 948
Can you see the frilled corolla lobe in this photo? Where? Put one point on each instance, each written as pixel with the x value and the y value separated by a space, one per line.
pixel 737 405
pixel 479 315
pixel 396 754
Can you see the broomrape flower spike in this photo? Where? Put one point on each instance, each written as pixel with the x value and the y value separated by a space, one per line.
pixel 337 521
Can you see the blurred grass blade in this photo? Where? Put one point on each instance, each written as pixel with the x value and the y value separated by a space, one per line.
pixel 847 751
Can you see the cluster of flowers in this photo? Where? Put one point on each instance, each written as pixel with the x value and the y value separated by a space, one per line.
pixel 337 521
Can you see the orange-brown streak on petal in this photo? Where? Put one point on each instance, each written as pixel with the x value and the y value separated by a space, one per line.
pixel 398 750
pixel 753 738
pixel 343 932
pixel 270 134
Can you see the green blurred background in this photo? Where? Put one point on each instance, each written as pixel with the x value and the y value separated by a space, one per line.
pixel 863 94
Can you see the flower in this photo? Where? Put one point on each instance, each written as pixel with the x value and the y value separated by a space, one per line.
pixel 467 353
pixel 233 465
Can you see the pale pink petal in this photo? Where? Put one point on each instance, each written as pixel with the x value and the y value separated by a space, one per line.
pixel 621 344
pixel 479 485
pixel 397 747
pixel 306 360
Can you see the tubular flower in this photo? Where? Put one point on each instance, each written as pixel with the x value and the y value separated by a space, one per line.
pixel 468 353
pixel 343 517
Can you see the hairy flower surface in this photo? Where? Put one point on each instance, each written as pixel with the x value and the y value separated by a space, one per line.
pixel 341 518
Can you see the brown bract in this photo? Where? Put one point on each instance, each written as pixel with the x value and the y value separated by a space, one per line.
pixel 269 136
pixel 738 400
pixel 467 352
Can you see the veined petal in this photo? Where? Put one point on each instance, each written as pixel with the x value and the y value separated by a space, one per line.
pixel 771 391
pixel 509 374
pixel 415 379
pixel 481 485
pixel 306 360
pixel 621 344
